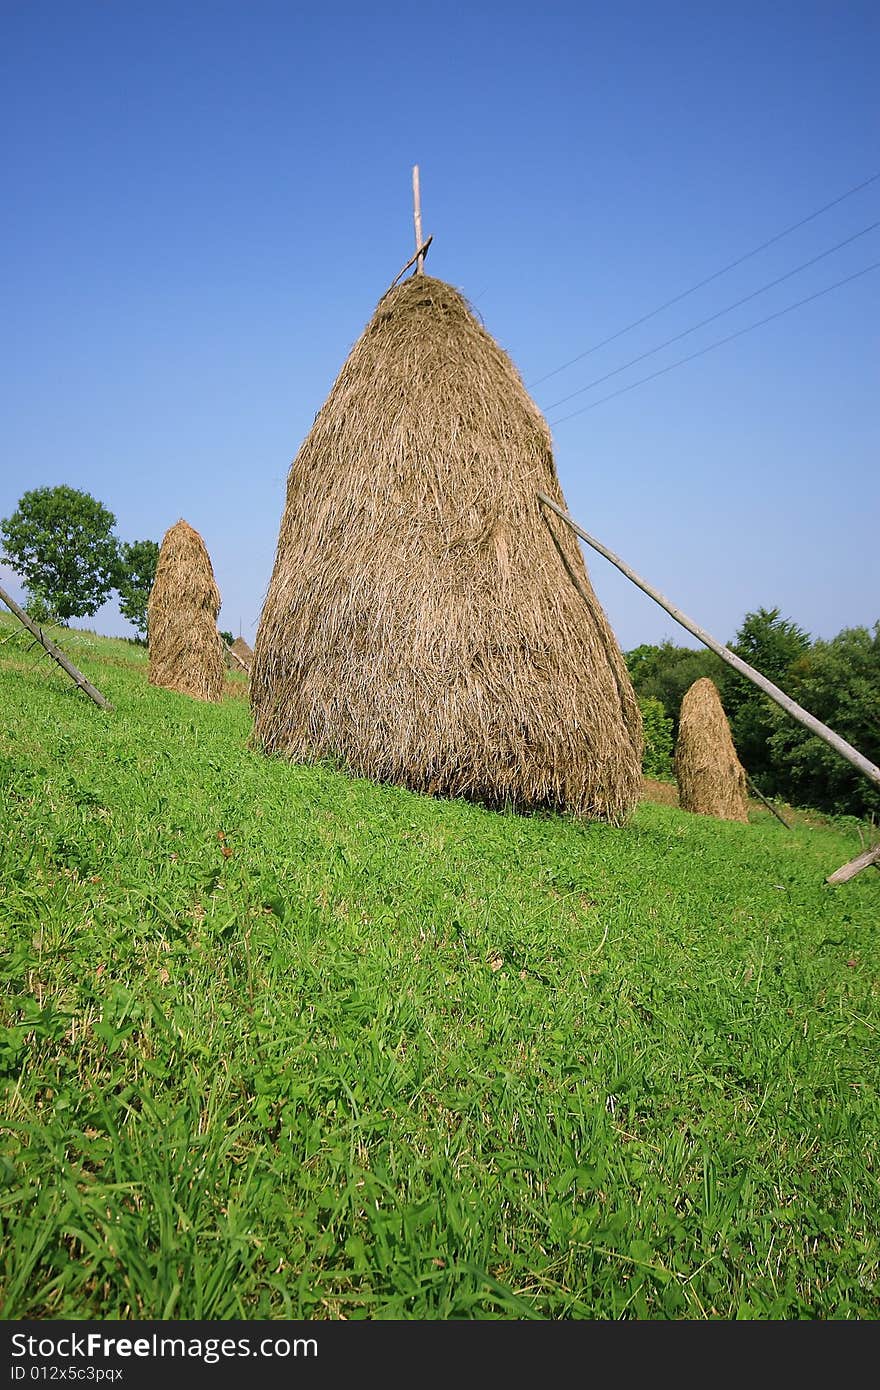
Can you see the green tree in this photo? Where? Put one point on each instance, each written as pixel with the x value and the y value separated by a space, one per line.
pixel 60 541
pixel 134 580
pixel 772 645
pixel 839 683
pixel 657 727
pixel 666 672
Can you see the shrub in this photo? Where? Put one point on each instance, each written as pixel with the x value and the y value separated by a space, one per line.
pixel 657 757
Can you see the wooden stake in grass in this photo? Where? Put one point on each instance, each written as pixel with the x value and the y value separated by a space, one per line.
pixel 753 791
pixel 56 653
pixel 855 866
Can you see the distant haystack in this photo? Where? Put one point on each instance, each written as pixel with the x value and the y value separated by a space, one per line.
pixel 425 623
pixel 244 653
pixel 711 780
pixel 185 648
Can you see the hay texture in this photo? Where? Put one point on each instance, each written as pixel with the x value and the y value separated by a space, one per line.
pixel 711 779
pixel 185 649
pixel 244 652
pixel 425 624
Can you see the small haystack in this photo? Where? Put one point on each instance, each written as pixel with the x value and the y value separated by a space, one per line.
pixel 244 653
pixel 426 623
pixel 711 780
pixel 185 648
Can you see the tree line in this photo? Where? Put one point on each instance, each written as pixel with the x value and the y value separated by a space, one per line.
pixel 837 680
pixel 62 544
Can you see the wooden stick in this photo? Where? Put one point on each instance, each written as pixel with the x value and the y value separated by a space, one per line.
pixel 417 218
pixel 855 866
pixel 422 251
pixel 56 653
pixel 809 721
pixel 769 804
pixel 235 657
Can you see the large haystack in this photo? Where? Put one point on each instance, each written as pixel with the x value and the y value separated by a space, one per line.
pixel 186 650
pixel 711 780
pixel 426 623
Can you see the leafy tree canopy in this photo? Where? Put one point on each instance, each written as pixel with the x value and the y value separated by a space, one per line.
pixel 838 682
pixel 657 730
pixel 666 672
pixel 770 643
pixel 136 572
pixel 60 541
pixel 773 645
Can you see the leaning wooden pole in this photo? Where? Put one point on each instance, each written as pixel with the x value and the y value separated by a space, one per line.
pixel 790 706
pixel 56 653
pixel 769 804
pixel 235 657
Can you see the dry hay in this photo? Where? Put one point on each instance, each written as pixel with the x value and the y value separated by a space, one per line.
pixel 426 624
pixel 659 792
pixel 243 651
pixel 711 779
pixel 185 648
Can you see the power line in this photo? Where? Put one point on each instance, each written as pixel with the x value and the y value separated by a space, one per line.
pixel 711 318
pixel 718 343
pixel 709 278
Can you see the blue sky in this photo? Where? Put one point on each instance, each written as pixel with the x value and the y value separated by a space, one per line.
pixel 204 202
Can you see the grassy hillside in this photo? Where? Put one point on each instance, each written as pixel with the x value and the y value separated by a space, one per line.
pixel 280 1043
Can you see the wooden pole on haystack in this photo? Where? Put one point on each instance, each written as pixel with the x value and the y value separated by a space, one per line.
pixel 417 219
pixel 809 721
pixel 56 653
pixel 418 260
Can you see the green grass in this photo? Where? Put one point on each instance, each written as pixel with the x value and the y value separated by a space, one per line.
pixel 280 1043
